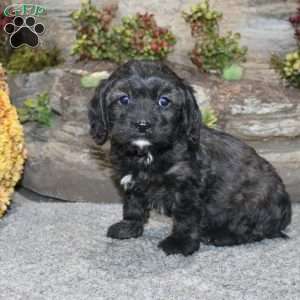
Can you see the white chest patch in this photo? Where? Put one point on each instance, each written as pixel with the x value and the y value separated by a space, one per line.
pixel 141 143
pixel 126 181
pixel 160 210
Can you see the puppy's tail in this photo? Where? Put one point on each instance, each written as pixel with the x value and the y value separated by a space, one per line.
pixel 279 234
pixel 283 235
pixel 286 211
pixel 286 215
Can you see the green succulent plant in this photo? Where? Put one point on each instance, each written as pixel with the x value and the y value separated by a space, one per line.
pixel 36 110
pixel 212 52
pixel 288 67
pixel 233 72
pixel 25 59
pixel 137 36
pixel 202 18
pixel 92 80
pixel 140 37
pixel 209 117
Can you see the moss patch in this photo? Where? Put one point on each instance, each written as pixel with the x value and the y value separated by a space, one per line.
pixel 25 60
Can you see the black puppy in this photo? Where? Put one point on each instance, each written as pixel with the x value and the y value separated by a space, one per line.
pixel 216 188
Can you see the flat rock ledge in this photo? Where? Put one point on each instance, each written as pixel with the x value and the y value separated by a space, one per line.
pixel 65 164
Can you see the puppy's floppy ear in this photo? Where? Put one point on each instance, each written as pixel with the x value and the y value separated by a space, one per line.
pixel 191 115
pixel 97 113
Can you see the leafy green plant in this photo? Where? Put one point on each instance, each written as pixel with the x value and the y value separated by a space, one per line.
pixel 233 72
pixel 36 110
pixel 140 37
pixel 25 59
pixel 209 117
pixel 288 67
pixel 92 80
pixel 295 22
pixel 93 38
pixel 216 52
pixel 137 37
pixel 203 19
pixel 212 52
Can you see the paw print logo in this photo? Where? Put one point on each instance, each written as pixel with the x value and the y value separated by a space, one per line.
pixel 24 31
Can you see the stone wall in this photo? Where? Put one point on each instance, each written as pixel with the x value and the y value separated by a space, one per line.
pixel 262 23
pixel 64 162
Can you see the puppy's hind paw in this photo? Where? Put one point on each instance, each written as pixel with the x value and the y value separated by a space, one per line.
pixel 125 230
pixel 175 245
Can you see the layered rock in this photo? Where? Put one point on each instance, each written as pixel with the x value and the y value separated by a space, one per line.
pixel 64 163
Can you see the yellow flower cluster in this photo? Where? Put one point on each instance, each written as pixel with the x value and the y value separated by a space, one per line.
pixel 292 64
pixel 12 147
pixel 3 83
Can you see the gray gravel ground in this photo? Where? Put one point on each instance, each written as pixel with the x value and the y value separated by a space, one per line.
pixel 58 250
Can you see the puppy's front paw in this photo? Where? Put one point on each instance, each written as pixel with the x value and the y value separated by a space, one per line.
pixel 125 230
pixel 175 245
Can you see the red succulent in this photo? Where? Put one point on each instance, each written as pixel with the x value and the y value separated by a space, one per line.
pixel 295 21
pixel 4 20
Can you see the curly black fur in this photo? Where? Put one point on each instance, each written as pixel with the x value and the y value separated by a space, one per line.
pixel 216 188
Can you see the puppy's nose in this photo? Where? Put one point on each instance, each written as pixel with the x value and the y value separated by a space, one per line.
pixel 142 125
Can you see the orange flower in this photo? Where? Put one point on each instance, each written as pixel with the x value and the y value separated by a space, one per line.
pixel 12 148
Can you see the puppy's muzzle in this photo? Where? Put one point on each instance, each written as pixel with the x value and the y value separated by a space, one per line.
pixel 142 126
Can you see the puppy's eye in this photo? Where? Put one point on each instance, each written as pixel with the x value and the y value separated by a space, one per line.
pixel 124 100
pixel 163 101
